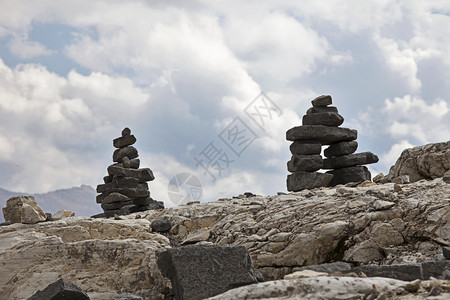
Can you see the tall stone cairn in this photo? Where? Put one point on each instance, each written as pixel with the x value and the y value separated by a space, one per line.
pixel 320 126
pixel 125 189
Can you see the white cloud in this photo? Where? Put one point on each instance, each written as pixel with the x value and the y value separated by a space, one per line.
pixel 51 125
pixel 25 49
pixel 413 117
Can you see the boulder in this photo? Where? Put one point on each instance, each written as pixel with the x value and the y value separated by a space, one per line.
pixel 161 224
pixel 23 209
pixel 308 163
pixel 323 118
pixel 60 290
pixel 322 101
pixel 198 271
pixel 422 162
pixel 305 147
pixel 342 148
pixel 350 160
pixel 307 180
pixel 326 135
pixel 350 174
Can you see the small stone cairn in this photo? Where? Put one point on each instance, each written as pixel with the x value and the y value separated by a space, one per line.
pixel 321 127
pixel 125 189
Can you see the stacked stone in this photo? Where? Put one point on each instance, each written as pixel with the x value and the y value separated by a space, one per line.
pixel 320 126
pixel 125 189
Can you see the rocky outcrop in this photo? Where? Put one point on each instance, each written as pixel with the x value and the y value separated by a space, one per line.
pixel 367 225
pixel 320 126
pixel 125 189
pixel 103 257
pixel 23 209
pixel 323 286
pixel 423 162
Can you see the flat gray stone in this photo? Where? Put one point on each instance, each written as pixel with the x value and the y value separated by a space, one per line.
pixel 334 267
pixel 326 135
pixel 314 110
pixel 307 180
pixel 124 141
pixel 406 272
pixel 116 205
pixel 341 148
pixel 128 151
pixel 324 118
pixel 350 174
pixel 200 271
pixel 143 175
pixel 305 147
pixel 308 163
pixel 350 160
pixel 323 100
pixel 115 197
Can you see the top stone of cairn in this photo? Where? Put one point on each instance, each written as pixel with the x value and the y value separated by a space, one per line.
pixel 322 101
pixel 125 140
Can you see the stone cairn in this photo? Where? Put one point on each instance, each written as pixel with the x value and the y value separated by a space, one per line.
pixel 125 188
pixel 321 127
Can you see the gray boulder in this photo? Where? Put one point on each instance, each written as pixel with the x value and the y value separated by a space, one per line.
pixel 423 162
pixel 23 209
pixel 60 290
pixel 200 271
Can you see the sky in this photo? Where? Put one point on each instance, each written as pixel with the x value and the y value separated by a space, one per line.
pixel 209 88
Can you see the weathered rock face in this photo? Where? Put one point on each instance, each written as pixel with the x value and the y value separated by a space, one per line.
pixel 103 257
pixel 373 224
pixel 423 162
pixel 334 287
pixel 23 209
pixel 385 225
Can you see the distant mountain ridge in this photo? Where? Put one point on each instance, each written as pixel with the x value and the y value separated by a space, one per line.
pixel 80 200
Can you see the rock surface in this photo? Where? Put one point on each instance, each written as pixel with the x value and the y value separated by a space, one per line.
pixel 377 225
pixel 423 162
pixel 333 287
pixel 103 257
